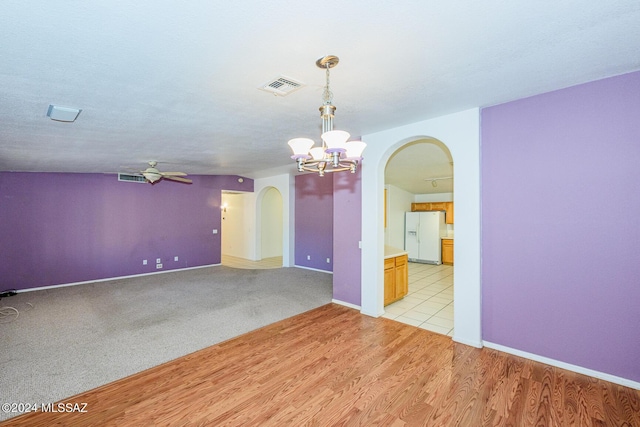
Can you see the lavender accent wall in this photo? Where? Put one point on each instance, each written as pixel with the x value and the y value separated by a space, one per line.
pixel 314 221
pixel 347 232
pixel 59 228
pixel 560 234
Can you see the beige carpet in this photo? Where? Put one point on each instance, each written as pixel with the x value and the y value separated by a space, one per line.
pixel 79 337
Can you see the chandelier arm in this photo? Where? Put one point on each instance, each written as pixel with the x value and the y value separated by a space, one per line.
pixel 342 169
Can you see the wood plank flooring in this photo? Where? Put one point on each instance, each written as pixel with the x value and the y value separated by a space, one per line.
pixel 333 366
pixel 265 263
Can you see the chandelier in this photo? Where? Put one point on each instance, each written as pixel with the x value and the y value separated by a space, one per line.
pixel 336 154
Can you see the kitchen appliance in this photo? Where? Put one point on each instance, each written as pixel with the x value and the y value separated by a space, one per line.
pixel 422 236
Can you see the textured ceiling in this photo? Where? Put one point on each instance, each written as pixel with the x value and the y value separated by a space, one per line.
pixel 177 82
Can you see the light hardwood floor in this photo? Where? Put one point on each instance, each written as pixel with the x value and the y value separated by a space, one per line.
pixel 333 366
pixel 235 262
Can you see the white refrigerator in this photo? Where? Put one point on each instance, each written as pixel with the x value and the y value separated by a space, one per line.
pixel 422 236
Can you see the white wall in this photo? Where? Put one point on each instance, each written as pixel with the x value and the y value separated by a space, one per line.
pixel 460 132
pixel 237 232
pixel 285 184
pixel 398 202
pixel 434 197
pixel 271 224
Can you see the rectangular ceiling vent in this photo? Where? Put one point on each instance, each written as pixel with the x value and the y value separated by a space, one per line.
pixel 281 86
pixel 131 177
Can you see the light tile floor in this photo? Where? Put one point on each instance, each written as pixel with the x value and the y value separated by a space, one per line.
pixel 429 303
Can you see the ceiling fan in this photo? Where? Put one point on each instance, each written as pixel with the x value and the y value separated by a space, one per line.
pixel 153 175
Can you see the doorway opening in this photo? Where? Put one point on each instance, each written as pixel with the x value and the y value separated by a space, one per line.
pixel 419 178
pixel 252 229
pixel 270 234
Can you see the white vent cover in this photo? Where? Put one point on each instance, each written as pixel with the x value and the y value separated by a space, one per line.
pixel 281 85
pixel 131 178
pixel 62 114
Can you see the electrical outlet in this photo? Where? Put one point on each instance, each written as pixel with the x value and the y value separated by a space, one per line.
pixel 328 260
pixel 308 257
pixel 215 231
pixel 158 260
pixel 144 262
pixel 175 258
pixel 158 266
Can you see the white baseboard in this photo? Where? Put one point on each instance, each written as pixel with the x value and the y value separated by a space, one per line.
pixel 579 369
pixel 346 304
pixel 313 269
pixel 108 279
pixel 371 314
pixel 456 338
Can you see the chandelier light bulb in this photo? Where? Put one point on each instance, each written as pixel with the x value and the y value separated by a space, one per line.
pixel 317 153
pixel 300 146
pixel 336 139
pixel 355 149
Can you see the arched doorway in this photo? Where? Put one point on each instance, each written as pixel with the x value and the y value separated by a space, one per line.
pixel 419 176
pixel 270 217
pixel 461 133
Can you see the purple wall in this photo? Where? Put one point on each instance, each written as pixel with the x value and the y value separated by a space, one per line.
pixel 560 234
pixel 58 228
pixel 314 221
pixel 347 232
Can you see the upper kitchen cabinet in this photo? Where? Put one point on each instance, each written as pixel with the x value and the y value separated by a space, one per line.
pixel 438 206
pixel 435 206
pixel 417 207
pixel 448 216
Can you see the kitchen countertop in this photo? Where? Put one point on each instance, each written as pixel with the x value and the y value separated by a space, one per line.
pixel 391 252
pixel 447 238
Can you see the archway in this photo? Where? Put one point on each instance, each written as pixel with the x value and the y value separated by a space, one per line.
pixel 419 175
pixel 270 217
pixel 461 133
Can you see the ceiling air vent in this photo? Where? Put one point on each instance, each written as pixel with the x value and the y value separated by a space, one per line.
pixel 281 86
pixel 131 178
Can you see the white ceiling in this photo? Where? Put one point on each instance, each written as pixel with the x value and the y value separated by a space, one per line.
pixel 422 167
pixel 177 81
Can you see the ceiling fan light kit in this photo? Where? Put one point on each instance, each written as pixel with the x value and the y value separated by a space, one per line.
pixel 336 154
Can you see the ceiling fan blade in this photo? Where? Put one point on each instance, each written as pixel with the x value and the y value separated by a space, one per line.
pixel 174 174
pixel 177 178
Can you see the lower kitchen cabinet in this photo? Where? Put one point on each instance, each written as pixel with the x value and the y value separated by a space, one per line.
pixel 396 278
pixel 447 251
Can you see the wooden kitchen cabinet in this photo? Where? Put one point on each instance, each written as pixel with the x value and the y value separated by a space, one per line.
pixel 447 251
pixel 448 216
pixel 447 207
pixel 396 278
pixel 417 207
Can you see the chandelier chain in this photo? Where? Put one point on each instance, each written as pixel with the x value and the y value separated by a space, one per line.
pixel 327 96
